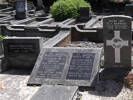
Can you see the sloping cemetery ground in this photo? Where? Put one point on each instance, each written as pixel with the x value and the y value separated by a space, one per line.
pixel 14 86
pixel 69 55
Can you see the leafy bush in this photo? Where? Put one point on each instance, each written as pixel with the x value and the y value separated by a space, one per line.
pixel 63 9
pixel 2 37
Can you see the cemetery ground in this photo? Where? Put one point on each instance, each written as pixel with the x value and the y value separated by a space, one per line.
pixel 13 86
pixel 86 58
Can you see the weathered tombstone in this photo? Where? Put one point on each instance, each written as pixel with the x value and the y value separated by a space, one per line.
pixel 66 66
pixel 57 92
pixel 129 9
pixel 117 41
pixel 21 52
pixel 84 14
pixel 21 9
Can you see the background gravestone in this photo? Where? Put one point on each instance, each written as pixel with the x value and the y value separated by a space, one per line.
pixel 21 9
pixel 67 66
pixel 22 52
pixel 117 41
pixel 85 14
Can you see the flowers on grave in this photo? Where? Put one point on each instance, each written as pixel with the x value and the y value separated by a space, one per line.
pixel 63 9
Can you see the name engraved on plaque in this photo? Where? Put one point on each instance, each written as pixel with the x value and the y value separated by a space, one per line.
pixel 21 48
pixel 81 66
pixel 52 65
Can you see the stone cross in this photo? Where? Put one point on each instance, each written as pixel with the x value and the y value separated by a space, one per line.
pixel 117 43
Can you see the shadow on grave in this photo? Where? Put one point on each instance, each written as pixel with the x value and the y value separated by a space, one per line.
pixel 7 69
pixel 17 72
pixel 110 83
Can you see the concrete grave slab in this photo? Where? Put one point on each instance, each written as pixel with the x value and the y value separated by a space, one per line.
pixel 55 92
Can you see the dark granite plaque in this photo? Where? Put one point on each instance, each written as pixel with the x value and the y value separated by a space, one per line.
pixel 52 65
pixel 67 66
pixel 81 66
pixel 117 41
pixel 22 52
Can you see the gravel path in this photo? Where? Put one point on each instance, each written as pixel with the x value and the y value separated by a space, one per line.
pixel 86 44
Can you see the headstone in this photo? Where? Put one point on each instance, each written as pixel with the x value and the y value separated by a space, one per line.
pixel 128 10
pixel 66 66
pixel 117 41
pixel 84 14
pixel 22 52
pixel 55 93
pixel 21 9
pixel 40 5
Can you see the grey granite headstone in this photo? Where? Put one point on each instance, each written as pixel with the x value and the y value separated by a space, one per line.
pixel 117 41
pixel 21 9
pixel 66 66
pixel 22 52
pixel 55 93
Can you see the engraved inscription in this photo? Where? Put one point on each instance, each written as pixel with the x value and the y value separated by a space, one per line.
pixel 81 66
pixel 52 65
pixel 117 24
pixel 21 48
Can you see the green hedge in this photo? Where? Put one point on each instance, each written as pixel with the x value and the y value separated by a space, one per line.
pixel 63 9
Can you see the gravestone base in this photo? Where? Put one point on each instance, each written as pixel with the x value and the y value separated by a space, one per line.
pixel 55 92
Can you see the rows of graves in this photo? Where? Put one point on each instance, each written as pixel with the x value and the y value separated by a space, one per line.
pixel 39 43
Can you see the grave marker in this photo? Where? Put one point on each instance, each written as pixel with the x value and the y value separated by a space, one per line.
pixel 21 9
pixel 66 66
pixel 117 41
pixel 85 14
pixel 22 52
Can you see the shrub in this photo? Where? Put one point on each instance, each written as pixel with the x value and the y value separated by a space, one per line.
pixel 2 37
pixel 63 9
